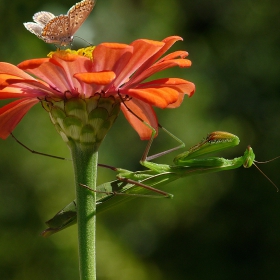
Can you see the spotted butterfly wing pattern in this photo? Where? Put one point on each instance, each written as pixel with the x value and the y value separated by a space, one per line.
pixel 42 18
pixel 60 29
pixel 57 31
pixel 79 13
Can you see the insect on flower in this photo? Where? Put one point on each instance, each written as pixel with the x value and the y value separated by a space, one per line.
pixel 60 29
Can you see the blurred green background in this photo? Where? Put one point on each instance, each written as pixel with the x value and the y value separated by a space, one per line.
pixel 218 226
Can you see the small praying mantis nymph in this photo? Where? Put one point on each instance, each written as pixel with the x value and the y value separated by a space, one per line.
pixel 138 183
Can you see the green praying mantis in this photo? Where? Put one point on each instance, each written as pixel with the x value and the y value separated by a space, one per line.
pixel 130 184
pixel 140 183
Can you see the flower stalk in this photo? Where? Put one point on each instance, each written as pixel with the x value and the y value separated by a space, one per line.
pixel 83 124
pixel 85 169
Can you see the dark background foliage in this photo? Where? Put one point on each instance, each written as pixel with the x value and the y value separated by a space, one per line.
pixel 218 226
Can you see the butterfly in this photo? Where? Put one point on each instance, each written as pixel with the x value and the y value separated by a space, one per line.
pixel 60 29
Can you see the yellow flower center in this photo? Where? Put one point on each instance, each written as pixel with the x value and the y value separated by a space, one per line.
pixel 70 54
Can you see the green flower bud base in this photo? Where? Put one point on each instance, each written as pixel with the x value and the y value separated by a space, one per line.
pixel 83 121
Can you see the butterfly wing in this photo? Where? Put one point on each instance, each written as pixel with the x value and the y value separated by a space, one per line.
pixel 57 31
pixel 79 13
pixel 42 18
pixel 34 28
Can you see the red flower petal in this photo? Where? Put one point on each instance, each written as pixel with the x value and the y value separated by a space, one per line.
pixel 15 87
pixel 67 68
pixel 177 54
pixel 111 56
pixel 168 43
pixel 145 112
pixel 6 80
pixel 66 56
pixel 156 96
pixel 157 67
pixel 7 68
pixel 48 72
pixel 12 113
pixel 180 85
pixel 142 51
pixel 162 93
pixel 100 78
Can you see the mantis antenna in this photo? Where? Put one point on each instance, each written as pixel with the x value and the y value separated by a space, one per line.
pixel 267 161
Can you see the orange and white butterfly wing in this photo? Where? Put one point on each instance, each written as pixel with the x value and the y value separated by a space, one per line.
pixel 57 31
pixel 42 18
pixel 34 28
pixel 79 13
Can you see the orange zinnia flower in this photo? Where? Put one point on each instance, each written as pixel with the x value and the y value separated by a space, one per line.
pixel 109 69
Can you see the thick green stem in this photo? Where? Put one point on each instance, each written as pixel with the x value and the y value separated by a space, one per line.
pixel 83 124
pixel 85 167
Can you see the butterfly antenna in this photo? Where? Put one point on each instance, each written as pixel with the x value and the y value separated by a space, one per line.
pixel 90 44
